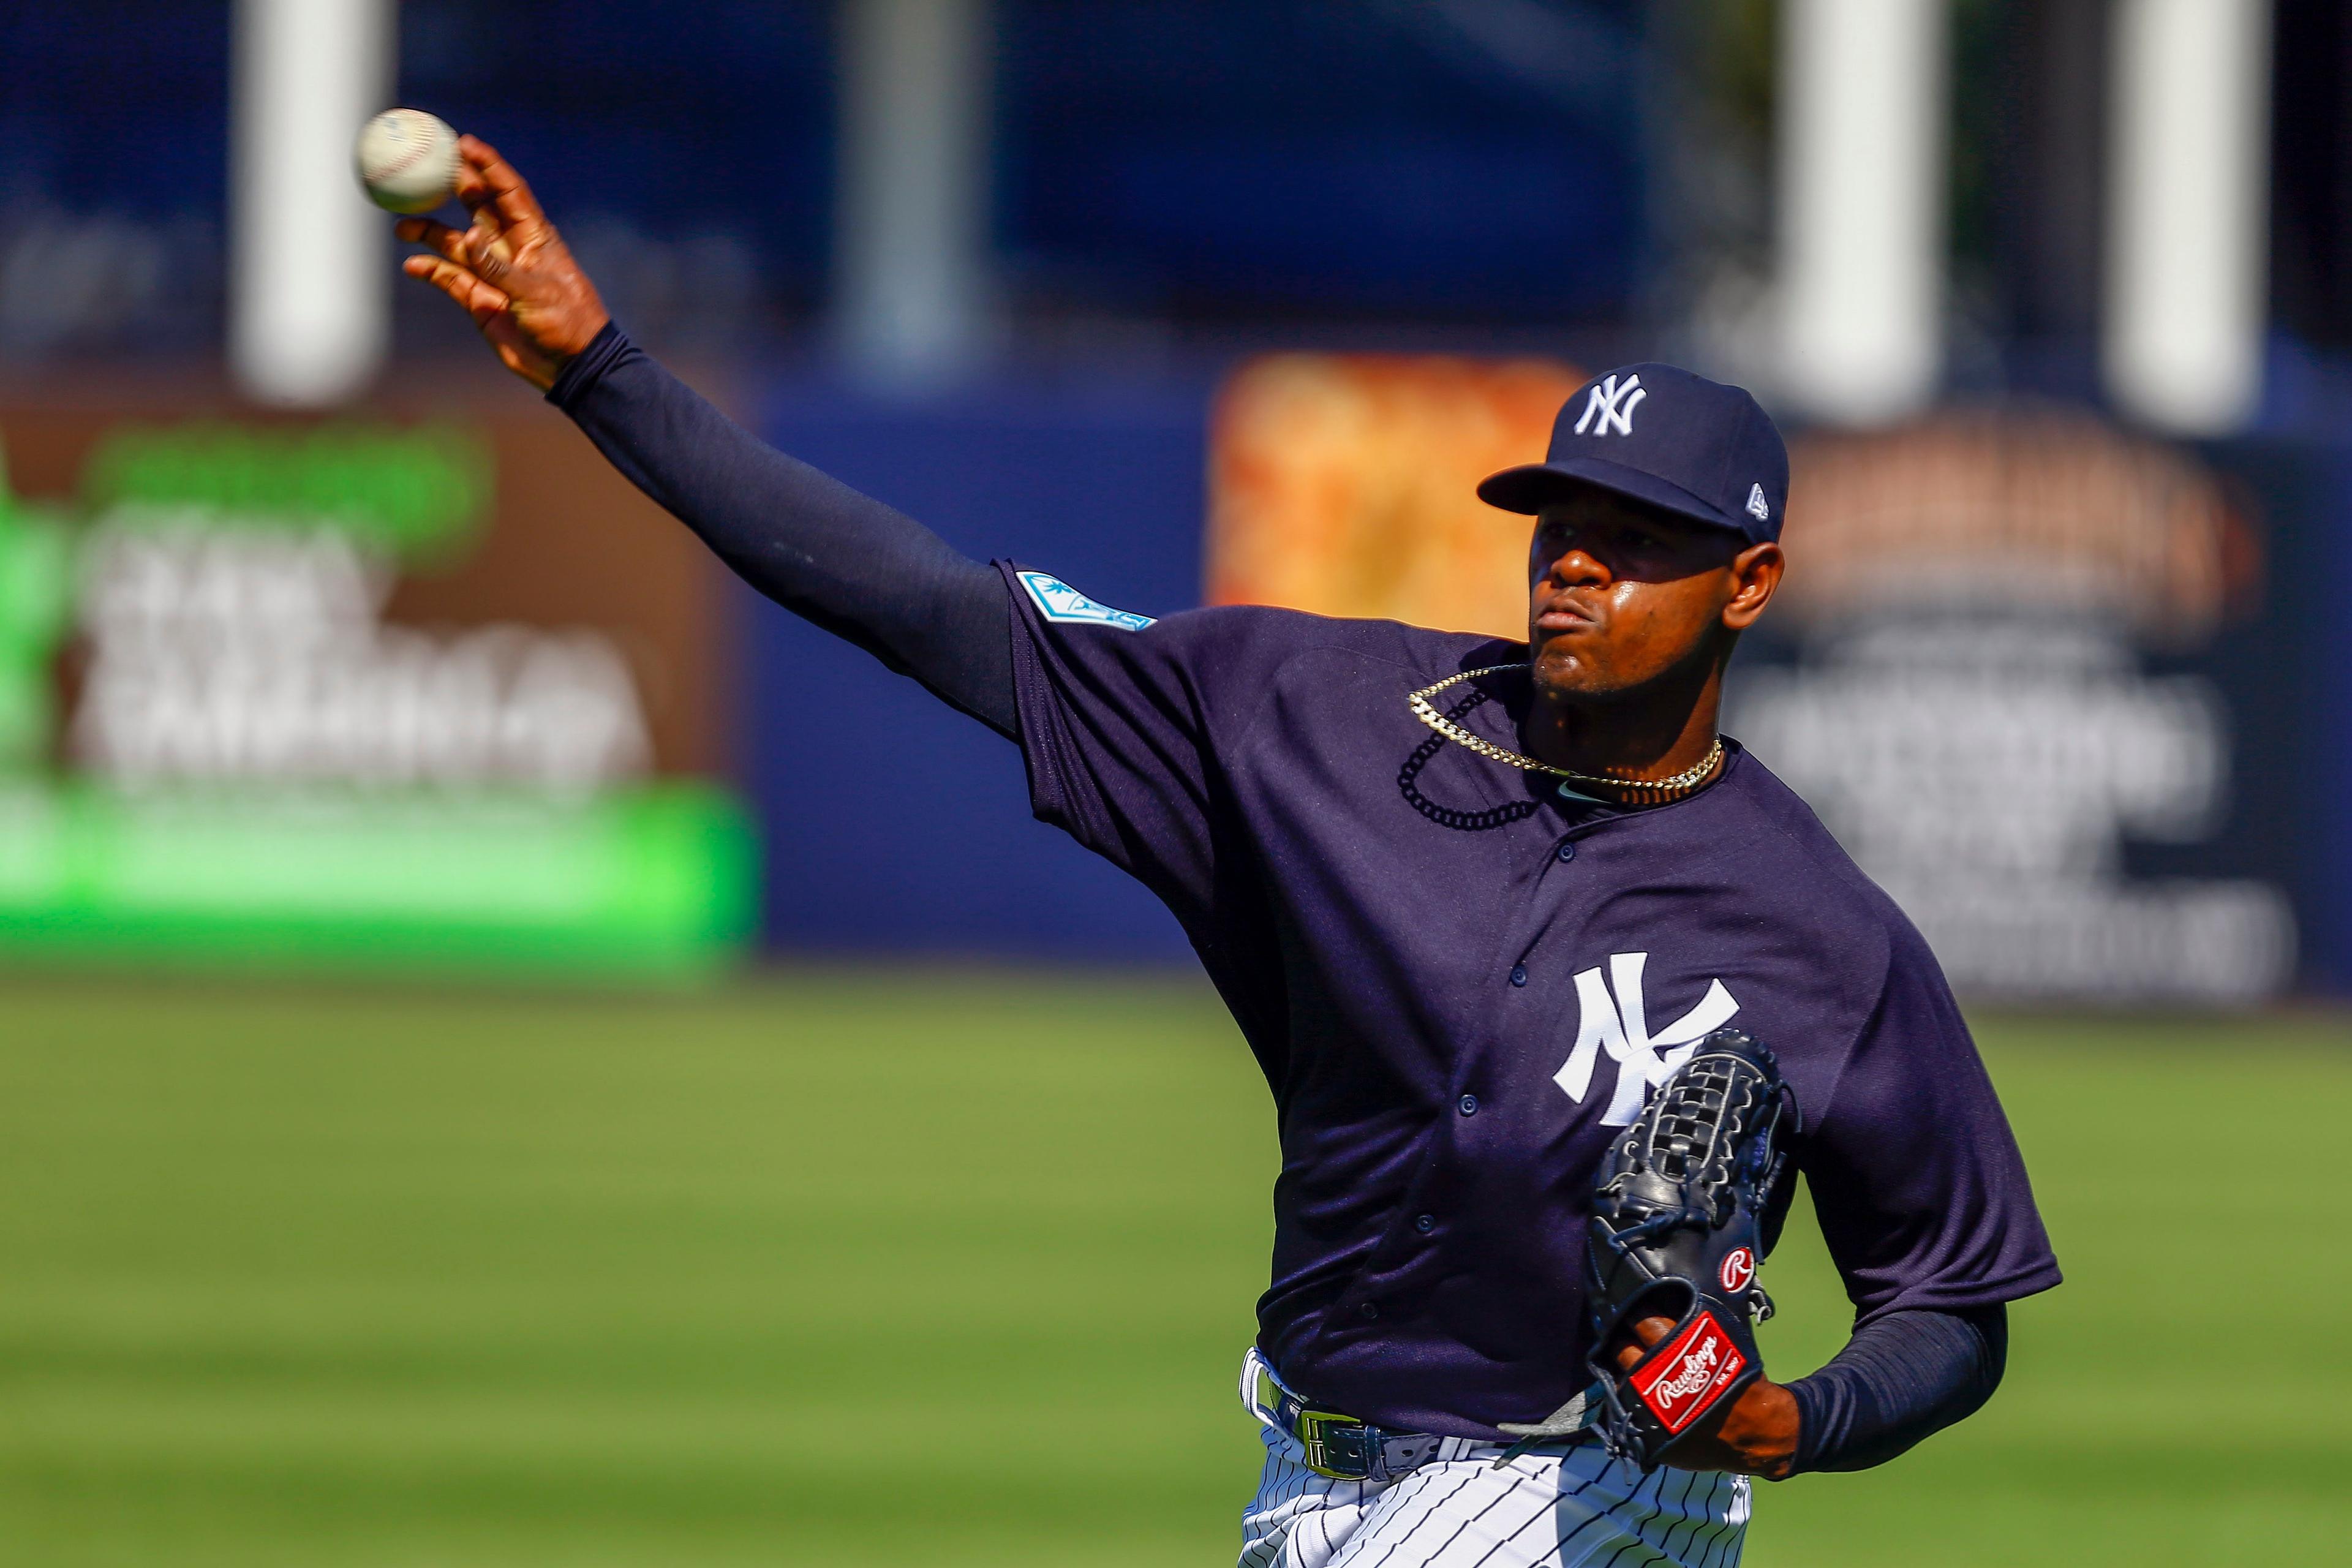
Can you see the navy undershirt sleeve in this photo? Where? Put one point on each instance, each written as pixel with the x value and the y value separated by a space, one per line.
pixel 1901 1378
pixel 841 560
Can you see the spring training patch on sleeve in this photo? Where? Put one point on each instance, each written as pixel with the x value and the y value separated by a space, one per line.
pixel 1057 600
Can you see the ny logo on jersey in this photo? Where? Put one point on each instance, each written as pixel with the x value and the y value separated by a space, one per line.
pixel 1614 404
pixel 1620 1026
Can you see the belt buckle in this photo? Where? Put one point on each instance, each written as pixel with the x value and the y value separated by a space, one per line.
pixel 1338 1447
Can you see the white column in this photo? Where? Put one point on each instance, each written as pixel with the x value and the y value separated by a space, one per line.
pixel 910 241
pixel 1863 90
pixel 309 258
pixel 2187 236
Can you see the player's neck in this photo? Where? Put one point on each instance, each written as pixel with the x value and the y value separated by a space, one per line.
pixel 1654 733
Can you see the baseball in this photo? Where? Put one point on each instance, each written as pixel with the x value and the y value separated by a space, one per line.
pixel 407 159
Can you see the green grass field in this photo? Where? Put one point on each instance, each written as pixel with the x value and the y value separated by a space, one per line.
pixel 920 1267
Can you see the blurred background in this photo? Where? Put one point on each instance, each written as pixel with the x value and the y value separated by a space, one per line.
pixel 521 1051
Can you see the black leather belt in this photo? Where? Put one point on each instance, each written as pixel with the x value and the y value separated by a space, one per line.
pixel 1347 1450
pixel 1340 1446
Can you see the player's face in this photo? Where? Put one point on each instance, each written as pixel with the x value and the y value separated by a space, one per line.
pixel 1621 595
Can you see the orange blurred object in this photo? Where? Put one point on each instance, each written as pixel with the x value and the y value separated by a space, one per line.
pixel 1344 484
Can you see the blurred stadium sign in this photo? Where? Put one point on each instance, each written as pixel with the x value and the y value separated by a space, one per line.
pixel 1969 711
pixel 1344 484
pixel 360 692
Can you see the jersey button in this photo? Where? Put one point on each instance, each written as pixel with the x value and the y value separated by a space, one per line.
pixel 1468 1105
pixel 1519 974
pixel 1567 851
pixel 1369 1310
pixel 1425 1223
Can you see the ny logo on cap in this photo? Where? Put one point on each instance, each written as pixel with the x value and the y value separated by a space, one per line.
pixel 1614 404
pixel 1758 507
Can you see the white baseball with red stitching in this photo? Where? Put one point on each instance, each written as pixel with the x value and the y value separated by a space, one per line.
pixel 407 159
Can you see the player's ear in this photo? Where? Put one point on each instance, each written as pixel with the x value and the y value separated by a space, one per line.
pixel 1755 576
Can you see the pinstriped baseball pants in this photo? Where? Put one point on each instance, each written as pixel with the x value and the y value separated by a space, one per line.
pixel 1543 1510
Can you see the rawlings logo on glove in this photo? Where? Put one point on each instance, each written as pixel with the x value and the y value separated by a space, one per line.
pixel 1701 1360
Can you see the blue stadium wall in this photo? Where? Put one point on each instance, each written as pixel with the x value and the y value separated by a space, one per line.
pixel 2328 966
pixel 894 825
pixel 2283 664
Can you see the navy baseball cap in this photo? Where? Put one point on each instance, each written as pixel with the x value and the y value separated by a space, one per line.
pixel 1666 436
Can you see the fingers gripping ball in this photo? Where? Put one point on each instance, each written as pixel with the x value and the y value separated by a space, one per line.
pixel 407 159
pixel 1678 1227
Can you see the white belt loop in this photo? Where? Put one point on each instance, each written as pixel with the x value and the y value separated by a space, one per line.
pixel 1255 1374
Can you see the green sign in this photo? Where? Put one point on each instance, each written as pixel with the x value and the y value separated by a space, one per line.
pixel 658 882
pixel 634 880
pixel 416 494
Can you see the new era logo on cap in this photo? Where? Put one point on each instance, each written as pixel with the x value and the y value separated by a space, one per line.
pixel 1698 448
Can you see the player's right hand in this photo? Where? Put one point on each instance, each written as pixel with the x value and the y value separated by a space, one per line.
pixel 509 268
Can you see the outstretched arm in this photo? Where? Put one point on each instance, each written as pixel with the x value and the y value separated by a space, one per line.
pixel 842 559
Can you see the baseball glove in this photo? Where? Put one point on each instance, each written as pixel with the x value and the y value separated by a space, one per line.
pixel 1677 1226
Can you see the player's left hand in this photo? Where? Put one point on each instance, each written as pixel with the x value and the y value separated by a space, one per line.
pixel 509 269
pixel 1754 1434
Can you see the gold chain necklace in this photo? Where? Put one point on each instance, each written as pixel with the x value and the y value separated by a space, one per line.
pixel 1657 791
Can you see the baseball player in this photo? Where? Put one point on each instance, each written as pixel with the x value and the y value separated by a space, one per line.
pixel 1481 910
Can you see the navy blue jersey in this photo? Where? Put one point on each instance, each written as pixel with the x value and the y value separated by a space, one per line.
pixel 1458 980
